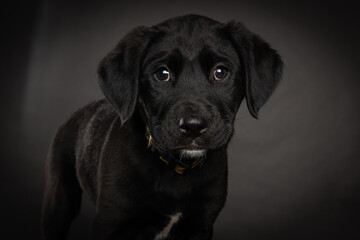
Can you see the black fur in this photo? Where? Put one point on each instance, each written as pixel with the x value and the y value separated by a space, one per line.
pixel 101 150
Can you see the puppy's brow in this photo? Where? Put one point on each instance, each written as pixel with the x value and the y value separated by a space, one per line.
pixel 209 58
pixel 219 55
pixel 155 57
pixel 173 59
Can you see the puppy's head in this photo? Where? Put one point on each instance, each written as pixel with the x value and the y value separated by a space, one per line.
pixel 187 76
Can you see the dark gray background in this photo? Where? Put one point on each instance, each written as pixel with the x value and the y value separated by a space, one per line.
pixel 294 174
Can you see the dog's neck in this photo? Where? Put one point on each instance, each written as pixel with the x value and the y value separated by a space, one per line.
pixel 181 165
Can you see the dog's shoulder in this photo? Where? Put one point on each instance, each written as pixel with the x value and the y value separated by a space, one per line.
pixel 85 124
pixel 93 120
pixel 95 110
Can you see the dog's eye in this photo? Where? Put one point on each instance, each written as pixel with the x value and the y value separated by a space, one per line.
pixel 221 73
pixel 162 74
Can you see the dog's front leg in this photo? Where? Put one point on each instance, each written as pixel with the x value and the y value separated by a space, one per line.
pixel 105 226
pixel 62 197
pixel 120 217
pixel 197 221
pixel 124 225
pixel 202 210
pixel 197 224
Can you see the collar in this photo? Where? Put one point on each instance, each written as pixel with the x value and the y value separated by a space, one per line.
pixel 167 158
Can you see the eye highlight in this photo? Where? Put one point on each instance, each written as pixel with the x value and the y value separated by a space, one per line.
pixel 162 74
pixel 221 73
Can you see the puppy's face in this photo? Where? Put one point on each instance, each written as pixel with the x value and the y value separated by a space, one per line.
pixel 190 87
pixel 187 76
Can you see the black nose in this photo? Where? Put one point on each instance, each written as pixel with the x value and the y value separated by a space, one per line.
pixel 193 126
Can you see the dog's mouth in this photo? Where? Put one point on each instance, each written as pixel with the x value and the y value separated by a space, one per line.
pixel 193 150
pixel 192 153
pixel 184 149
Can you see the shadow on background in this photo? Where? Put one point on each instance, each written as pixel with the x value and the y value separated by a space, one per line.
pixel 294 174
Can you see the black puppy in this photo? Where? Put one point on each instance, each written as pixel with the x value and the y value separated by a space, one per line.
pixel 152 156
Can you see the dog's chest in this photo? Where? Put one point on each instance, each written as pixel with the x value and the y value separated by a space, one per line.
pixel 173 219
pixel 173 186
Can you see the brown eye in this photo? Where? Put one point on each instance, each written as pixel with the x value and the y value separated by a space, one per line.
pixel 221 73
pixel 162 74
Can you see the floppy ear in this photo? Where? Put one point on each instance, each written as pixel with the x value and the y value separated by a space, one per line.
pixel 119 72
pixel 262 65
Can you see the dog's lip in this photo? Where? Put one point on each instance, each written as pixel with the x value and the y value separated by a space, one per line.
pixel 193 150
pixel 198 153
pixel 189 148
pixel 192 147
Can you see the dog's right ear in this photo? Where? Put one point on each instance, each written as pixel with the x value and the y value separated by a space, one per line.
pixel 261 63
pixel 119 71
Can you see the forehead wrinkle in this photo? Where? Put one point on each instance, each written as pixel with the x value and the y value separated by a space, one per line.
pixel 155 57
pixel 191 45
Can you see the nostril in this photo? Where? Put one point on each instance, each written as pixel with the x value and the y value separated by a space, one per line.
pixel 193 125
pixel 182 125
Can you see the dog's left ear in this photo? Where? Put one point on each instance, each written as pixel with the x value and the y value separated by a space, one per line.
pixel 119 71
pixel 262 65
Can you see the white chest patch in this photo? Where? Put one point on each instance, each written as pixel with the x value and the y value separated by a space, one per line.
pixel 165 232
